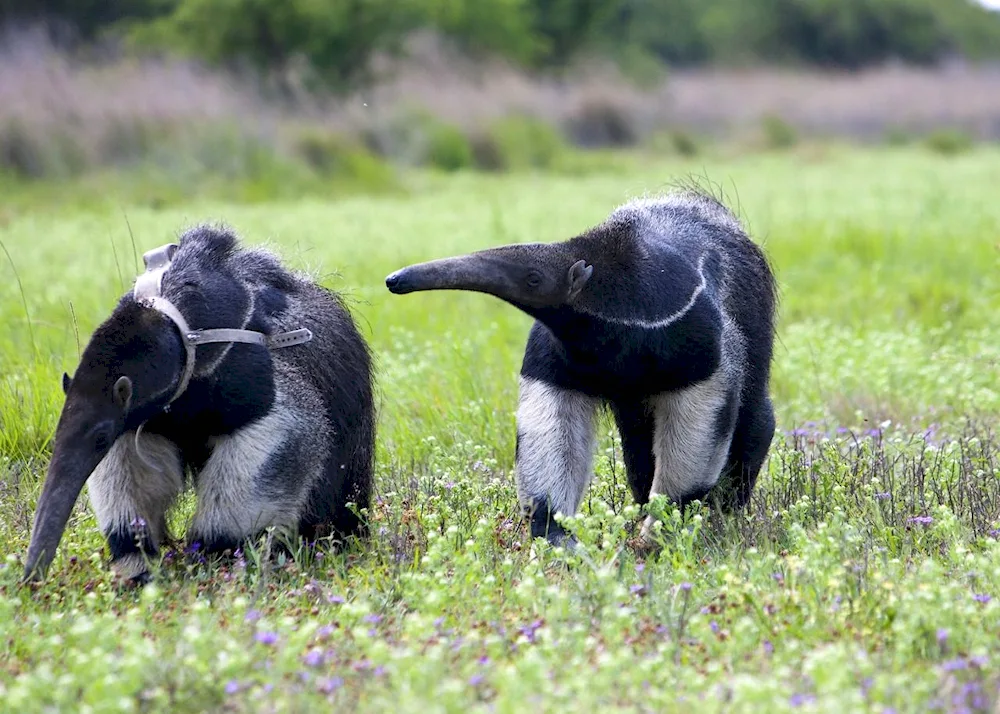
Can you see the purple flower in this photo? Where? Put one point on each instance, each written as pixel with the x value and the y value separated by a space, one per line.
pixel 483 660
pixel 329 685
pixel 715 626
pixel 635 589
pixel 438 622
pixel 768 647
pixel 798 700
pixel 232 686
pixel 193 548
pixel 335 599
pixel 379 671
pixel 942 636
pixel 882 496
pixel 476 679
pixel 266 638
pixel 372 618
pixel 324 632
pixel 529 630
pixel 922 520
pixel 252 616
pixel 954 665
pixel 639 567
pixel 138 523
pixel 686 587
pixel 978 660
pixel 268 687
pixel 450 485
pixel 313 658
pixel 982 598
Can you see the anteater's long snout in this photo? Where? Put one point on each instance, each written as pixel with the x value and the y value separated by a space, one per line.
pixel 465 272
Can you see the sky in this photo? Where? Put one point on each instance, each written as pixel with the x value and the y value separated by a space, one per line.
pixel 995 4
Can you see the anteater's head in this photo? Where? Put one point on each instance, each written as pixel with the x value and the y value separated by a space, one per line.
pixel 528 275
pixel 127 373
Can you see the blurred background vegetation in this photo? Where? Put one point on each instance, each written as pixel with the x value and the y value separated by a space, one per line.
pixel 257 97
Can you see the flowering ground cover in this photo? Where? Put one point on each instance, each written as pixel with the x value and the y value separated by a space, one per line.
pixel 864 575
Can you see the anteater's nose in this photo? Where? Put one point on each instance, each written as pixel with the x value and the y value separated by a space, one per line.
pixel 392 281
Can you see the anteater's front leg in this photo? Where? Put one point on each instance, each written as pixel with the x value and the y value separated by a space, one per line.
pixel 256 478
pixel 130 492
pixel 555 451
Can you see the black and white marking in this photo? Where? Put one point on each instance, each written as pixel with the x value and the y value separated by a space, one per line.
pixel 270 435
pixel 665 313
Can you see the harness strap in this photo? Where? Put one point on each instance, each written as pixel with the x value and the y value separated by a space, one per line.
pixel 148 292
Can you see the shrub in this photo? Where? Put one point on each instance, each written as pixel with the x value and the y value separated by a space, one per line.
pixel 602 123
pixel 448 148
pixel 778 134
pixel 948 142
pixel 335 156
pixel 517 142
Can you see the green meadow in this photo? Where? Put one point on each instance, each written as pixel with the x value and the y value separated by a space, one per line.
pixel 863 577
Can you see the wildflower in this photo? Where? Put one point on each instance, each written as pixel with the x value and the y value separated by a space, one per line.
pixel 335 599
pixel 476 679
pixel 883 495
pixel 921 520
pixel 715 626
pixel 324 632
pixel 637 589
pixel 483 660
pixel 372 618
pixel 232 686
pixel 266 638
pixel 379 671
pixel 686 587
pixel 942 636
pixel 799 699
pixel 954 665
pixel 313 658
pixel 983 598
pixel 330 685
pixel 252 616
pixel 639 567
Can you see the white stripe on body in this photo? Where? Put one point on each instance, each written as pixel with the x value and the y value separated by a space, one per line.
pixel 557 438
pixel 662 322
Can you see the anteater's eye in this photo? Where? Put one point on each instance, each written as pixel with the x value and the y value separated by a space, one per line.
pixel 533 279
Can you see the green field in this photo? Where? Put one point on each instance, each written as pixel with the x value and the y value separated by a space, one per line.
pixel 864 576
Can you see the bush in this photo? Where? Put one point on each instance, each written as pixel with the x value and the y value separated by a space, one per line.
pixel 35 153
pixel 778 134
pixel 602 123
pixel 448 148
pixel 335 156
pixel 948 142
pixel 517 142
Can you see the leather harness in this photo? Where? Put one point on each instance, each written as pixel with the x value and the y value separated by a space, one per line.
pixel 148 292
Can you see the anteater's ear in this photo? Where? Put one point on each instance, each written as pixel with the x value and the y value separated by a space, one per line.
pixel 66 382
pixel 122 392
pixel 579 274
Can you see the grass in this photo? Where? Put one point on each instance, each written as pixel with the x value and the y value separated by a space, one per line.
pixel 863 576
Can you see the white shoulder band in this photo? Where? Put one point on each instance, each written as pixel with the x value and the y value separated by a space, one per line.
pixel 148 292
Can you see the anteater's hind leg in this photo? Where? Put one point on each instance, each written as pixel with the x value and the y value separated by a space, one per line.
pixel 556 437
pixel 261 475
pixel 751 442
pixel 130 494
pixel 694 428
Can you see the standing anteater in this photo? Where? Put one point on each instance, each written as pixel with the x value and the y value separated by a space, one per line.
pixel 664 312
pixel 222 364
